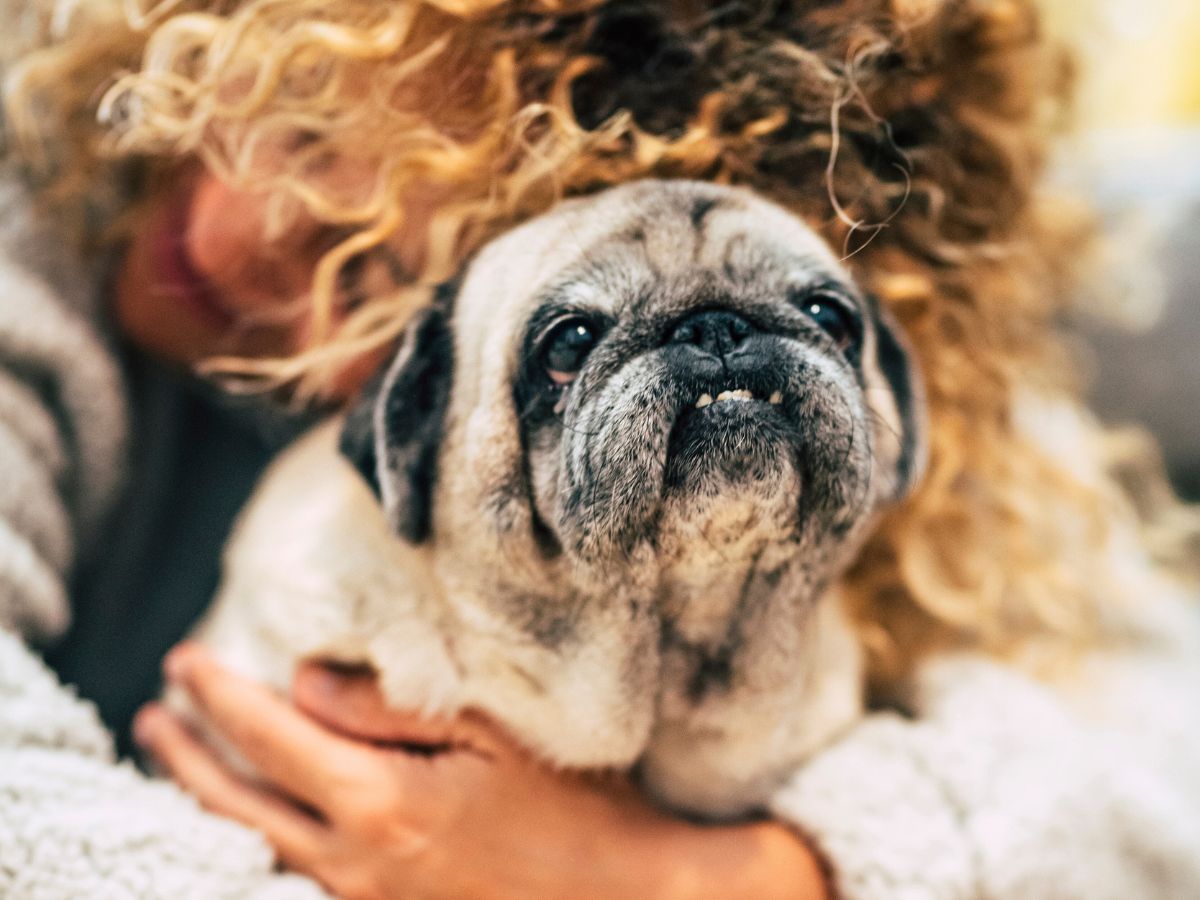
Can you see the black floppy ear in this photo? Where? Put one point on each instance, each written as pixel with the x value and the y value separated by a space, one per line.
pixel 394 433
pixel 357 440
pixel 898 366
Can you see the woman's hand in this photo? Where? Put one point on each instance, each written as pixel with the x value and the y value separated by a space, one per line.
pixel 378 803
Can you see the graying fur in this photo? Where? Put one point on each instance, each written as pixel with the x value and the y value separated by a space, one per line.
pixel 626 581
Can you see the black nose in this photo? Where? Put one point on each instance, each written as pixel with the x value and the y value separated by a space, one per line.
pixel 717 331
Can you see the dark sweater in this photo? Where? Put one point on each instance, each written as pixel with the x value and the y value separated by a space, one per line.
pixel 194 461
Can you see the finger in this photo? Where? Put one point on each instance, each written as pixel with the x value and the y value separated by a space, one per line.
pixel 349 701
pixel 298 838
pixel 287 748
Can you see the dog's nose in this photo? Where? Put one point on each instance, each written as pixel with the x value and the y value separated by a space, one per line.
pixel 717 331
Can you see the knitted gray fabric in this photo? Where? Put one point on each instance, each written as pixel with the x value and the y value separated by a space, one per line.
pixel 62 421
pixel 999 786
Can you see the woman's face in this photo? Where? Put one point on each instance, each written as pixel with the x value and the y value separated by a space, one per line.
pixel 201 277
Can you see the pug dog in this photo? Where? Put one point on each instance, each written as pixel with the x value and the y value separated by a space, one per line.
pixel 603 493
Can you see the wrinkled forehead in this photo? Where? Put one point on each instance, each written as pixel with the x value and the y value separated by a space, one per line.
pixel 601 252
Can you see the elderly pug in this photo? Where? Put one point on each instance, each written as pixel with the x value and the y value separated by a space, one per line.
pixel 621 469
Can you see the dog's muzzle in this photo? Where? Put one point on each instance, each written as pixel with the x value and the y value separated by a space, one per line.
pixel 734 381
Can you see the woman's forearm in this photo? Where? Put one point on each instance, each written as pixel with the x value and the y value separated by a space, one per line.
pixel 754 861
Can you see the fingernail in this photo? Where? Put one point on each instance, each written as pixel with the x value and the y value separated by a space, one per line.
pixel 144 726
pixel 177 663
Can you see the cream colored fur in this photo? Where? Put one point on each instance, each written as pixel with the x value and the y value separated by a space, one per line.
pixel 313 572
pixel 314 569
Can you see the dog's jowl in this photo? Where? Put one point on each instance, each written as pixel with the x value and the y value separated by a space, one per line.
pixel 604 492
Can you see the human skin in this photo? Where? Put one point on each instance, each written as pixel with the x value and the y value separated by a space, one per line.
pixel 375 802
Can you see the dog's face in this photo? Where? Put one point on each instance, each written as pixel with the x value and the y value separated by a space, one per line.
pixel 666 408
pixel 703 351
pixel 630 362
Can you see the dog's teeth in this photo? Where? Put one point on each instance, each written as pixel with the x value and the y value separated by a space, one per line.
pixel 776 398
pixel 740 395
pixel 705 400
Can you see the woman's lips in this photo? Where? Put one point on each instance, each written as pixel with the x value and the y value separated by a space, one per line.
pixel 176 276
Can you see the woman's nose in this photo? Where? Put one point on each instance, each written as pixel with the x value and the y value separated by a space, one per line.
pixel 230 243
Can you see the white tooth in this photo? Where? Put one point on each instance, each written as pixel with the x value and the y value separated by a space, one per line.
pixel 743 394
pixel 724 395
pixel 776 398
pixel 704 401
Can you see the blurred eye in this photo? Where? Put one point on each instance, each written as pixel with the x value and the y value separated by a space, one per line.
pixel 834 316
pixel 567 347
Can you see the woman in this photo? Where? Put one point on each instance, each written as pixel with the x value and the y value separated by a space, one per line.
pixel 290 178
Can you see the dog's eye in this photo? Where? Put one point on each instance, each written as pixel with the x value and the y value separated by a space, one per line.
pixel 567 346
pixel 834 317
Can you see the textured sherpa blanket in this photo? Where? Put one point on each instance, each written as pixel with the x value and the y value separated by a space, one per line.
pixel 75 824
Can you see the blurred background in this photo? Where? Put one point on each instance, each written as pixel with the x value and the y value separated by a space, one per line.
pixel 1137 152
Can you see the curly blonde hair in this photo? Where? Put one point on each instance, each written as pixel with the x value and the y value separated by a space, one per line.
pixel 913 133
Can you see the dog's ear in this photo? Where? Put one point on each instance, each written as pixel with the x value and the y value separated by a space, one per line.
pixel 357 441
pixel 394 433
pixel 898 367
